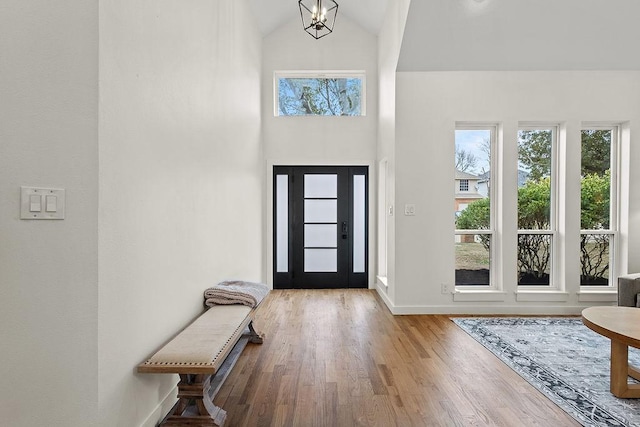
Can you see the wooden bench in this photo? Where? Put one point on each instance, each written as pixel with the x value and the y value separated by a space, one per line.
pixel 203 354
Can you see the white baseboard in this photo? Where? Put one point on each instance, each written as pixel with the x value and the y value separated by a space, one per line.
pixel 162 409
pixel 382 291
pixel 480 309
pixel 525 310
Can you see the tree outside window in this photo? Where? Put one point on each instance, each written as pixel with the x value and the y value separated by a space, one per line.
pixel 320 96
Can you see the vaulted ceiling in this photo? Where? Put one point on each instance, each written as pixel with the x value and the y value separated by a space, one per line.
pixel 452 35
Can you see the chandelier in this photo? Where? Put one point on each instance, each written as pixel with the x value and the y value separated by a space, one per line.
pixel 318 16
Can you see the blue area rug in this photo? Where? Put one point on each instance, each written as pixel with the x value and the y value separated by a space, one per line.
pixel 563 359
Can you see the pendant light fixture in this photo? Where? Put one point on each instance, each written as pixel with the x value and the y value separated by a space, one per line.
pixel 318 16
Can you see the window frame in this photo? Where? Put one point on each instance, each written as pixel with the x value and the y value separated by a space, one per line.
pixel 493 203
pixel 614 205
pixel 554 282
pixel 317 74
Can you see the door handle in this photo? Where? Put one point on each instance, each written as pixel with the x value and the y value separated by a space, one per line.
pixel 345 229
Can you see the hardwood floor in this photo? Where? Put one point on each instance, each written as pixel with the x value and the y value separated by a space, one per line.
pixel 340 358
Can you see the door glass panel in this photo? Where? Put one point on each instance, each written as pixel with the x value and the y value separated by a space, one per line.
pixel 320 210
pixel 320 235
pixel 320 186
pixel 358 223
pixel 282 223
pixel 320 260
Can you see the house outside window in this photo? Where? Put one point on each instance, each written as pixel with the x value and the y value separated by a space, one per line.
pixel 464 185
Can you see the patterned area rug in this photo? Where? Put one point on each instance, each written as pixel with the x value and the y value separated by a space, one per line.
pixel 563 359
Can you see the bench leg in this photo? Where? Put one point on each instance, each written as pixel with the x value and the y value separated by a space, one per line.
pixel 196 392
pixel 195 407
pixel 254 337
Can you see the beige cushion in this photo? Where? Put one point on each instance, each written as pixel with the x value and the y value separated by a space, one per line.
pixel 204 343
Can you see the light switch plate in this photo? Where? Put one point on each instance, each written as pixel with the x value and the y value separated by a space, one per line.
pixel 410 209
pixel 26 206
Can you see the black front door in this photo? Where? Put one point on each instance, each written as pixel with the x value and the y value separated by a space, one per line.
pixel 320 227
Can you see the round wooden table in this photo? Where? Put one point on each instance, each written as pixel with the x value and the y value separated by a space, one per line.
pixel 622 326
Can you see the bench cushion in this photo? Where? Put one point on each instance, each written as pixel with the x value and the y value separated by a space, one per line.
pixel 203 345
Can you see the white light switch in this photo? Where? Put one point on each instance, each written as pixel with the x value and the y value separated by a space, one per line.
pixel 410 209
pixel 41 203
pixel 52 203
pixel 35 203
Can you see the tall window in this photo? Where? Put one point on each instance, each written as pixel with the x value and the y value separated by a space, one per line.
pixel 473 206
pixel 598 201
pixel 536 205
pixel 320 94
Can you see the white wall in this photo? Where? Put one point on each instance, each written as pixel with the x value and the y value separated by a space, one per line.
pixel 180 181
pixel 320 140
pixel 389 43
pixel 427 106
pixel 49 269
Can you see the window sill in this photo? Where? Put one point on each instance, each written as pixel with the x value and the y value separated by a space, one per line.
pixel 475 296
pixel 598 296
pixel 542 296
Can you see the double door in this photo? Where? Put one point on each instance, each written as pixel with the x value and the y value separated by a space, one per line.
pixel 320 227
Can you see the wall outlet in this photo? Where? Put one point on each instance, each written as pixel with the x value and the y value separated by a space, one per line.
pixel 444 288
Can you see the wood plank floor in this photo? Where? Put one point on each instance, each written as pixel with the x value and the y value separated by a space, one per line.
pixel 339 358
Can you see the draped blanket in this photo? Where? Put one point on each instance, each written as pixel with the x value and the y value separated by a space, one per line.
pixel 236 292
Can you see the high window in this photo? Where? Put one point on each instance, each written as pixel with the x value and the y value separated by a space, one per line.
pixel 598 193
pixel 473 206
pixel 320 94
pixel 536 205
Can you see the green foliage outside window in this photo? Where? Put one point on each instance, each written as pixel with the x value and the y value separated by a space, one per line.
pixel 595 201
